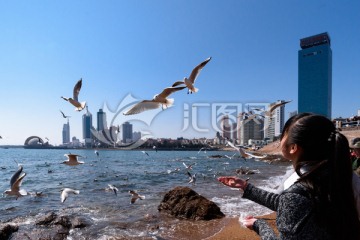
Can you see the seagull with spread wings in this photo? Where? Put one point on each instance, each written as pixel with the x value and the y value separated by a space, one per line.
pixel 242 153
pixel 189 82
pixel 135 196
pixel 159 100
pixel 72 160
pixel 270 110
pixel 63 114
pixel 113 188
pixel 65 193
pixel 15 183
pixel 74 100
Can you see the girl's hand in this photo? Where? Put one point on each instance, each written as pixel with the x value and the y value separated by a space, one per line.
pixel 233 182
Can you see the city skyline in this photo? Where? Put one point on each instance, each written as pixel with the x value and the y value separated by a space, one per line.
pixel 126 51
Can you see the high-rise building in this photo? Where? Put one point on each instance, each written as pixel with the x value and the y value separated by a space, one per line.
pixel 87 126
pixel 250 129
pixel 315 75
pixel 66 133
pixel 127 132
pixel 279 115
pixel 226 127
pixel 101 120
pixel 275 123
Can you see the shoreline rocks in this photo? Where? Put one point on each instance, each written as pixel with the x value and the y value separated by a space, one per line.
pixel 185 203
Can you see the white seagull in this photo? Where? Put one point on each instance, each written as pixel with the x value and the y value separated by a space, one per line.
pixel 242 153
pixel 189 82
pixel 135 196
pixel 65 193
pixel 189 167
pixel 270 110
pixel 230 157
pixel 192 178
pixel 144 152
pixel 72 160
pixel 159 100
pixel 15 183
pixel 74 100
pixel 113 188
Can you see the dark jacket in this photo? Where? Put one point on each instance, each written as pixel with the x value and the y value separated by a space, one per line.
pixel 295 213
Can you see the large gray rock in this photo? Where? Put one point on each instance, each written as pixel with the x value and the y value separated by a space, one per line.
pixel 7 229
pixel 183 202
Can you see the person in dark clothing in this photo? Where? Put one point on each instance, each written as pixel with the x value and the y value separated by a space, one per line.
pixel 355 153
pixel 320 204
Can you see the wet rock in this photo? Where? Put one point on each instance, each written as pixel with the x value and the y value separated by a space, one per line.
pixel 46 219
pixel 7 229
pixel 44 233
pixel 50 227
pixel 183 202
pixel 79 222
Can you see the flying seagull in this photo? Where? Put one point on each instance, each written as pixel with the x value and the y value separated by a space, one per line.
pixel 189 82
pixel 192 178
pixel 74 100
pixel 159 100
pixel 135 196
pixel 65 193
pixel 15 183
pixel 242 153
pixel 270 110
pixel 63 114
pixel 145 153
pixel 113 188
pixel 72 160
pixel 188 166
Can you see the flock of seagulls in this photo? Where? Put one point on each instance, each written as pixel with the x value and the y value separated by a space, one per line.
pixel 19 175
pixel 159 100
pixel 162 100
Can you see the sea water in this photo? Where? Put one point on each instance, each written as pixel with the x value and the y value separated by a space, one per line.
pixel 112 216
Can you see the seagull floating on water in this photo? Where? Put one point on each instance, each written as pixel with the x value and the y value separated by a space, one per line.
pixel 74 100
pixel 159 100
pixel 135 196
pixel 72 160
pixel 15 183
pixel 189 82
pixel 65 193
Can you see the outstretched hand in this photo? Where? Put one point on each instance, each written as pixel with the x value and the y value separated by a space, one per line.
pixel 233 182
pixel 248 222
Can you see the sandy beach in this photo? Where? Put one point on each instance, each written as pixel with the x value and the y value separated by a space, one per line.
pixel 234 231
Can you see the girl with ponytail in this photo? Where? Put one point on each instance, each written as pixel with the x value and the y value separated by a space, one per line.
pixel 320 205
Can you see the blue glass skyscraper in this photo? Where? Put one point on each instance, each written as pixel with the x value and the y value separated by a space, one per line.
pixel 87 126
pixel 315 75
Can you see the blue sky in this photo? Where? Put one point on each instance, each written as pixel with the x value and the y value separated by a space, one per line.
pixel 140 47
